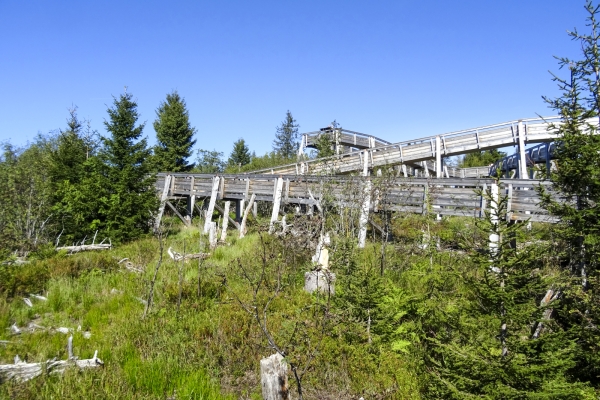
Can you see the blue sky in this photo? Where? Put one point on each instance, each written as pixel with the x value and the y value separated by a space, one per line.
pixel 395 69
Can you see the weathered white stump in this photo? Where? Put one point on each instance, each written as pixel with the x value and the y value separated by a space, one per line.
pixel 323 281
pixel 273 377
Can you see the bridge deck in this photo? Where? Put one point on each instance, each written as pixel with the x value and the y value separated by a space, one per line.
pixel 453 196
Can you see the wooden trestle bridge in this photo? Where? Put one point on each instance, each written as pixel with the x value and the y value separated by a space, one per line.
pixel 422 184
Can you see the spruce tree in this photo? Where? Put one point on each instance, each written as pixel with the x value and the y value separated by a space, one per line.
pixel 130 199
pixel 240 155
pixel 485 346
pixel 576 181
pixel 174 135
pixel 286 138
pixel 70 152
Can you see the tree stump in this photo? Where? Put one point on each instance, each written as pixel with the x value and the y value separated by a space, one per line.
pixel 323 281
pixel 273 377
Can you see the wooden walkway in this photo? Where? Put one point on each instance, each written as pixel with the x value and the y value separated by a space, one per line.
pixel 412 152
pixel 452 196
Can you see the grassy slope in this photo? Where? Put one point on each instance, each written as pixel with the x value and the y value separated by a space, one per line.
pixel 212 346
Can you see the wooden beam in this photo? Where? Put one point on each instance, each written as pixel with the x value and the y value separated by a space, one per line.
pixel 211 204
pixel 225 213
pixel 276 203
pixel 185 221
pixel 245 218
pixel 163 199
pixel 225 220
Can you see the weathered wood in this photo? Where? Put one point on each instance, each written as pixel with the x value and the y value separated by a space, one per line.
pixel 276 203
pixel 84 247
pixel 364 214
pixel 163 199
pixel 212 235
pixel 225 213
pixel 320 280
pixel 245 217
pixel 226 219
pixel 274 378
pixel 211 203
pixel 181 217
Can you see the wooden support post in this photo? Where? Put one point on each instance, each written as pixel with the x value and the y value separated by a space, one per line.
pixel 276 203
pixel 239 210
pixel 211 204
pixel 522 157
pixel 245 218
pixel 225 221
pixel 494 217
pixel 364 214
pixel 274 378
pixel 255 210
pixel 189 208
pixel 226 215
pixel 212 235
pixel 365 163
pixel 438 158
pixel 163 201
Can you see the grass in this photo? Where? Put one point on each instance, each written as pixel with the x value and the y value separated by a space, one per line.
pixel 210 348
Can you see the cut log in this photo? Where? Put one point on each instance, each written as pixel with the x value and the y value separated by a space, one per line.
pixel 274 379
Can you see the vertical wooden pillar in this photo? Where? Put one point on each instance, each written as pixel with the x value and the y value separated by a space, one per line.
pixel 438 158
pixel 239 209
pixel 364 214
pixel 211 203
pixel 245 218
pixel 494 217
pixel 522 158
pixel 225 221
pixel 163 201
pixel 276 203
pixel 365 163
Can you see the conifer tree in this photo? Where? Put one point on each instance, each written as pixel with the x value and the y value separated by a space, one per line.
pixel 577 181
pixel 70 152
pixel 486 346
pixel 240 155
pixel 174 135
pixel 286 138
pixel 130 198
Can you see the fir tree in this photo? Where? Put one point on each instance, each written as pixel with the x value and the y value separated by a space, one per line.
pixel 130 200
pixel 70 152
pixel 240 155
pixel 577 180
pixel 174 135
pixel 286 138
pixel 486 346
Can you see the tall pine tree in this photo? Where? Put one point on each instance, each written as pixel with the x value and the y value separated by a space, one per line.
pixel 131 200
pixel 174 135
pixel 286 138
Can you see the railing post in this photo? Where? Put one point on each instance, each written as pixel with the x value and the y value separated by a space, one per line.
pixel 522 157
pixel 438 158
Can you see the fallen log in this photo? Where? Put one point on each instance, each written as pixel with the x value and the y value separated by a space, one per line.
pixel 23 371
pixel 85 247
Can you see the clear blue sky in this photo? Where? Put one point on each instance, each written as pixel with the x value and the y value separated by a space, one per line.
pixel 395 69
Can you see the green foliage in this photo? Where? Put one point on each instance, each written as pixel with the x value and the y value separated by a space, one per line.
pixel 174 135
pixel 484 346
pixel 269 160
pixel 577 180
pixel 481 158
pixel 209 162
pixel 130 198
pixel 286 142
pixel 240 155
pixel 26 193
